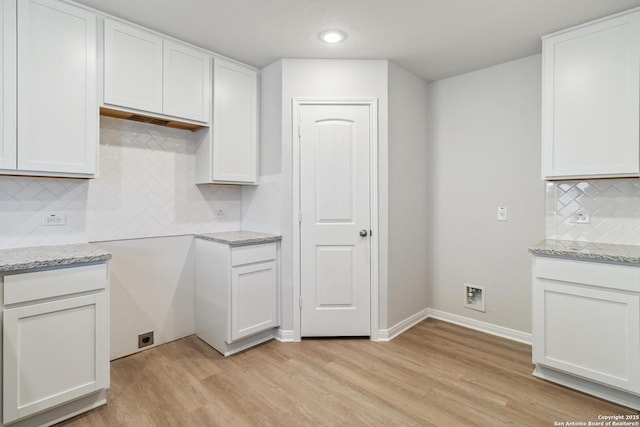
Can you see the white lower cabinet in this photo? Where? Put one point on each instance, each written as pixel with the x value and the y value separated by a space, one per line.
pixel 55 343
pixel 586 325
pixel 236 294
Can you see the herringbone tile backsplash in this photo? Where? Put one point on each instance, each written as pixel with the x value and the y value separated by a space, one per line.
pixel 614 206
pixel 145 188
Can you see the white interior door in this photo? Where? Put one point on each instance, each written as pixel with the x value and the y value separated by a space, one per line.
pixel 335 249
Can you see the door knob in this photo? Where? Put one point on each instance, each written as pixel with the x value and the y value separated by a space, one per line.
pixel 363 233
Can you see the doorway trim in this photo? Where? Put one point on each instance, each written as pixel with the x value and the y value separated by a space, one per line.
pixel 372 103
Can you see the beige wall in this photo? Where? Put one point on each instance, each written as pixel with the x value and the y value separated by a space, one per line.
pixel 262 204
pixel 450 152
pixel 408 202
pixel 485 152
pixel 326 78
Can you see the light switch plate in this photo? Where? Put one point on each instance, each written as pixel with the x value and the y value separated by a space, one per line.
pixel 502 213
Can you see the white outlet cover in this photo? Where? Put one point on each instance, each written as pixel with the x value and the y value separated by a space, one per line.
pixel 580 218
pixel 54 218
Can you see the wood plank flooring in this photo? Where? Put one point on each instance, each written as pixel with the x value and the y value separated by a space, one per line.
pixel 436 374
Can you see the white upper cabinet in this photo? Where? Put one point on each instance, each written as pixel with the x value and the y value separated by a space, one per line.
pixel 133 67
pixel 56 95
pixel 235 130
pixel 145 72
pixel 8 85
pixel 591 99
pixel 230 154
pixel 186 86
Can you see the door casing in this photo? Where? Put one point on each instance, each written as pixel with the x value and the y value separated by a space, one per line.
pixel 373 171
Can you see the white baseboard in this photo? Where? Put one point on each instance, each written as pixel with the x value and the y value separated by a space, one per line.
pixel 488 328
pixel 284 335
pixel 400 327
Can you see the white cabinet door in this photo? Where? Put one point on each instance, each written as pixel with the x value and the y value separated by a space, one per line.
pixel 57 99
pixel 591 100
pixel 8 85
pixel 235 123
pixel 54 352
pixel 132 67
pixel 186 87
pixel 254 291
pixel 589 332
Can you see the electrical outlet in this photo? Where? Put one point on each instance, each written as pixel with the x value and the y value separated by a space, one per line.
pixel 474 297
pixel 580 218
pixel 54 218
pixel 220 213
pixel 145 339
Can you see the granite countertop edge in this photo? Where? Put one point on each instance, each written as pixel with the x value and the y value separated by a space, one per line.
pixel 30 258
pixel 239 238
pixel 588 251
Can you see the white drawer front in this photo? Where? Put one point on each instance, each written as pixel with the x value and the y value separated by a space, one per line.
pixel 613 276
pixel 253 253
pixel 23 287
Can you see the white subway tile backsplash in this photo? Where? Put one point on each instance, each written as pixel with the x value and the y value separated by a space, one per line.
pixel 614 205
pixel 145 188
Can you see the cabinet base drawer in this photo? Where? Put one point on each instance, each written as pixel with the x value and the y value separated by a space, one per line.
pixel 613 276
pixel 24 287
pixel 252 253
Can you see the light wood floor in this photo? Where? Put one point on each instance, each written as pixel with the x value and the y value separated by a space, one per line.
pixel 436 374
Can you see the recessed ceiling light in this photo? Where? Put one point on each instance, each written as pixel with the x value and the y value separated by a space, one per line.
pixel 332 36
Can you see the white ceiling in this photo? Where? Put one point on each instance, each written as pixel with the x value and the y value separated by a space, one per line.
pixel 432 38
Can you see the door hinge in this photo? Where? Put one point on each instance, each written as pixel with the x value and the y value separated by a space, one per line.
pixel 299 134
pixel 299 217
pixel 300 301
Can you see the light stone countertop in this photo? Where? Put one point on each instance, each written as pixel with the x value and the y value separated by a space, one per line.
pixel 239 238
pixel 50 256
pixel 587 251
pixel 17 259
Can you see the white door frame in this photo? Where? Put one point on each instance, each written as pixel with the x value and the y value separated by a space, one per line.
pixel 373 176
